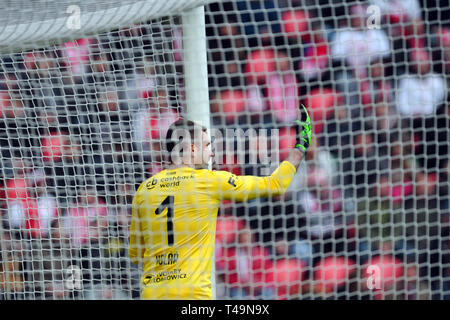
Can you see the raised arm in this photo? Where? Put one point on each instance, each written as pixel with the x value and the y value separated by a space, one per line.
pixel 240 188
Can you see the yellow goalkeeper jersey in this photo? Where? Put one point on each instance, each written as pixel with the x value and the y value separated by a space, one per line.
pixel 173 225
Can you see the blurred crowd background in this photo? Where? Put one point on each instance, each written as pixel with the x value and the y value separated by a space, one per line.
pixel 367 214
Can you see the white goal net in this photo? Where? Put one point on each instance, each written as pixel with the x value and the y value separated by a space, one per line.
pixel 88 90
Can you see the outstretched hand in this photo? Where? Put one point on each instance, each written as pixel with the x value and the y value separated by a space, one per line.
pixel 303 130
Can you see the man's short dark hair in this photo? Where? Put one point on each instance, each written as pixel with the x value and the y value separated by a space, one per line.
pixel 184 124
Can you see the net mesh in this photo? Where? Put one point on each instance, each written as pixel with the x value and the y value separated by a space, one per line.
pixel 83 112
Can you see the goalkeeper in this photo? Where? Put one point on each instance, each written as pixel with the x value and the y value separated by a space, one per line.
pixel 174 213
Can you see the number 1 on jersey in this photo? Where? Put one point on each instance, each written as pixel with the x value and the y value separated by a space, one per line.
pixel 167 203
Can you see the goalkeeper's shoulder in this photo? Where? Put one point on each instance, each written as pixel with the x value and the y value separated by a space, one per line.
pixel 212 173
pixel 218 180
pixel 214 177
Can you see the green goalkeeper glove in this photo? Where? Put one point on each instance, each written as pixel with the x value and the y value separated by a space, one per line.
pixel 303 130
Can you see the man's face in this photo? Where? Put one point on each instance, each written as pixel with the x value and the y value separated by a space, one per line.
pixel 201 154
pixel 192 151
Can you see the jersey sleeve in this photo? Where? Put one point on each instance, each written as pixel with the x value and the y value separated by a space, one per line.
pixel 136 239
pixel 228 186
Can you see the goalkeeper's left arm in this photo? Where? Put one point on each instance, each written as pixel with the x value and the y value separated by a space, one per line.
pixel 228 186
